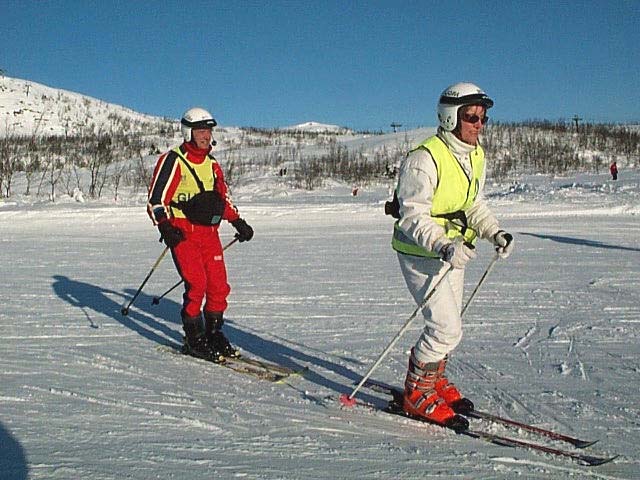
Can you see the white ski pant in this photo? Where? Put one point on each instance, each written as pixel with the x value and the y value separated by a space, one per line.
pixel 443 326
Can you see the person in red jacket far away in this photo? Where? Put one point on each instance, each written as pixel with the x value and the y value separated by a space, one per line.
pixel 188 199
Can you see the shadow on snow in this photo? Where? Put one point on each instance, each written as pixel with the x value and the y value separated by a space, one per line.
pixel 152 326
pixel 580 241
pixel 88 298
pixel 13 462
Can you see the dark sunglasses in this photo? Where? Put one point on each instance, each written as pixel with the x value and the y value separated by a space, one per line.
pixel 474 118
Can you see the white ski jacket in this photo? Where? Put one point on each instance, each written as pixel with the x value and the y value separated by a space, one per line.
pixel 416 185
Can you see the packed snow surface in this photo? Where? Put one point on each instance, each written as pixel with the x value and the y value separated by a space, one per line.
pixel 552 338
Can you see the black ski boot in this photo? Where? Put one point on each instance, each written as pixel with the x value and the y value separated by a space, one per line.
pixel 218 343
pixel 196 342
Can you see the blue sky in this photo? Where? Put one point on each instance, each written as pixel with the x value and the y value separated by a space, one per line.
pixel 361 64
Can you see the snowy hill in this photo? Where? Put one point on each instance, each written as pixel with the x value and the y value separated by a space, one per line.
pixel 317 127
pixel 28 108
pixel 252 155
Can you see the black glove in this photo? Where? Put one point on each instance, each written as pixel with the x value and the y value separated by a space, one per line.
pixel 504 243
pixel 171 235
pixel 458 253
pixel 245 232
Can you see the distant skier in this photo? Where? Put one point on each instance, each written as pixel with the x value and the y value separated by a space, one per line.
pixel 187 201
pixel 440 213
pixel 614 171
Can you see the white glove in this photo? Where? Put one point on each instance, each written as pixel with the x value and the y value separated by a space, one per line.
pixel 458 253
pixel 504 243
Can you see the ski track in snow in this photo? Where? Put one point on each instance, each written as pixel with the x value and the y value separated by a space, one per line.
pixel 557 470
pixel 116 404
pixel 552 339
pixel 523 342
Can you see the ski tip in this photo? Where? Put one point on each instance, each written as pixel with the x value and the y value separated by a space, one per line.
pixel 584 443
pixel 596 461
pixel 347 401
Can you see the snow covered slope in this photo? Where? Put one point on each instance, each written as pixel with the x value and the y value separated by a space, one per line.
pixel 552 339
pixel 29 108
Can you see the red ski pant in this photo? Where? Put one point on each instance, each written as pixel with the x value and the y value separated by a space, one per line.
pixel 200 262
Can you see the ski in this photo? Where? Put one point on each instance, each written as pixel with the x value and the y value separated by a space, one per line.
pixel 576 442
pixel 589 460
pixel 481 415
pixel 258 372
pixel 273 367
pixel 252 367
pixel 395 408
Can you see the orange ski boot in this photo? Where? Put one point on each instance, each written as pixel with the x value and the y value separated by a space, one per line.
pixel 422 400
pixel 449 392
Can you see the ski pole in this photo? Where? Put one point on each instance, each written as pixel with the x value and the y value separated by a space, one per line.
pixel 156 300
pixel 349 400
pixel 482 279
pixel 125 310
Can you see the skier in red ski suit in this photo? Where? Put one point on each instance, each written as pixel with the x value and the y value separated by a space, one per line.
pixel 188 199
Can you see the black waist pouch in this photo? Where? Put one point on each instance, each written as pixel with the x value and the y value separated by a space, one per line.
pixel 204 208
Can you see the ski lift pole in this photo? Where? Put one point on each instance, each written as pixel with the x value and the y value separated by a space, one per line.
pixel 125 309
pixel 482 279
pixel 348 400
pixel 156 300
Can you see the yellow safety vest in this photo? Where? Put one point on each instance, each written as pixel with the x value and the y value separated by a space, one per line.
pixel 453 195
pixel 188 186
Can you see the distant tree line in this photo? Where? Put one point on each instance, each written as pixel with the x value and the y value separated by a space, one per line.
pixel 308 165
pixel 89 159
pixel 101 162
pixel 53 165
pixel 356 167
pixel 512 149
pixel 545 147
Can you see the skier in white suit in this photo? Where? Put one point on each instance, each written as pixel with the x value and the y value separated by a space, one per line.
pixel 441 213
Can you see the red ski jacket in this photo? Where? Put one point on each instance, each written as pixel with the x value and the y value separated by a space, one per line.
pixel 168 174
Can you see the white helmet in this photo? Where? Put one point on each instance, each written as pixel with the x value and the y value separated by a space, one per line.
pixel 195 118
pixel 456 96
